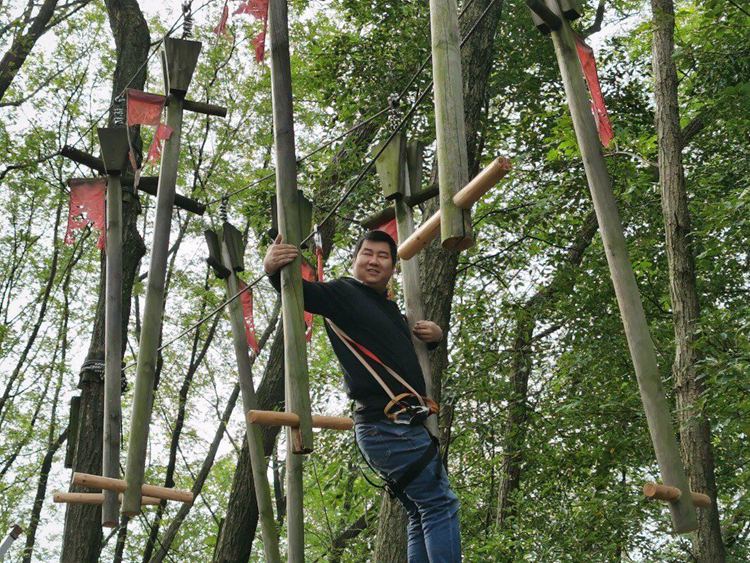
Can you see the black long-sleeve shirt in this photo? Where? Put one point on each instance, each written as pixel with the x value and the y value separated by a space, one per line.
pixel 374 321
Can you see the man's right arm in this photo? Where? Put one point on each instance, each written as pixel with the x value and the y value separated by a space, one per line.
pixel 320 298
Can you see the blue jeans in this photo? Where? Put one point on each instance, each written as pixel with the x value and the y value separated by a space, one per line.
pixel 433 532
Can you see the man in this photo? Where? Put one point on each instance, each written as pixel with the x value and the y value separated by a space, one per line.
pixel 368 333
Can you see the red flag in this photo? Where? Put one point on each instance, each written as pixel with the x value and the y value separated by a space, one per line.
pixel 260 44
pixel 246 298
pixel 144 108
pixel 221 28
pixel 603 125
pixel 390 228
pixel 308 274
pixel 163 132
pixel 86 207
pixel 256 8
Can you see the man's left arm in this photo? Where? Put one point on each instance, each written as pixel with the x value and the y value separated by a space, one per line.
pixel 428 332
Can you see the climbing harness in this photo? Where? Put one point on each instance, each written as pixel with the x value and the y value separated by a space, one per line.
pixel 413 408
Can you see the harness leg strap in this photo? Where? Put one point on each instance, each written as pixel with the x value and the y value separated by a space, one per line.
pixel 413 471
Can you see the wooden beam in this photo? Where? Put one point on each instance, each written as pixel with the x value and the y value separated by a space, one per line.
pixel 96 498
pixel 628 296
pixel 276 418
pixel 297 387
pixel 571 9
pixel 656 491
pixel 114 147
pixel 121 486
pixel 376 219
pixel 147 184
pixel 452 160
pixel 73 418
pixel 410 276
pixel 390 167
pixel 179 58
pixel 205 108
pixel 254 437
pixel 465 198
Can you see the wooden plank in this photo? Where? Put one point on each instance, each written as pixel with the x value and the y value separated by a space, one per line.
pixel 545 19
pixel 180 57
pixel 571 9
pixel 152 313
pixel 390 167
pixel 452 160
pixel 70 448
pixel 628 296
pixel 249 401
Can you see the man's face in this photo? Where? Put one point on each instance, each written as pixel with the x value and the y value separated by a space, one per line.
pixel 373 265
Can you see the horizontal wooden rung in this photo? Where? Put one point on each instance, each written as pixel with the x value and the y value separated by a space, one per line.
pixel 94 498
pixel 119 485
pixel 464 198
pixel 275 418
pixel 666 493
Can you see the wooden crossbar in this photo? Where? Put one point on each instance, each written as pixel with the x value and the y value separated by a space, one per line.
pixel 276 418
pixel 119 485
pixel 95 498
pixel 464 198
pixel 665 493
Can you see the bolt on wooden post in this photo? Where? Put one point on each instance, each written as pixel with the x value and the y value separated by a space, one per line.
pixel 450 130
pixel 628 296
pixel 114 147
pixel 232 239
pixel 180 57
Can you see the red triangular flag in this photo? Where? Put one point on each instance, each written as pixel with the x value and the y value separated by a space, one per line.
pixel 144 108
pixel 390 228
pixel 603 125
pixel 221 28
pixel 86 207
pixel 246 298
pixel 163 132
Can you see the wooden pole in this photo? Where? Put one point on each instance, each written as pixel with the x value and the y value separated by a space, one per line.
pixel 464 198
pixel 96 498
pixel 628 297
pixel 452 160
pixel 122 486
pixel 655 491
pixel 114 155
pixel 182 52
pixel 276 418
pixel 297 393
pixel 268 528
pixel 409 173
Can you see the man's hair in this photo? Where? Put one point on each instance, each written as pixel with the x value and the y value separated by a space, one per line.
pixel 377 236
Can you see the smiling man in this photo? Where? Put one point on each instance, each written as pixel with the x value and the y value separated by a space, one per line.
pixel 373 343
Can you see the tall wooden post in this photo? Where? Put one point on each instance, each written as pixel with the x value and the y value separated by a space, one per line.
pixel 180 57
pixel 297 392
pixel 628 297
pixel 268 528
pixel 450 130
pixel 400 169
pixel 114 146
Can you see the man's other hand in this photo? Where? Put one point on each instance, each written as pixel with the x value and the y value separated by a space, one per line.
pixel 427 331
pixel 279 255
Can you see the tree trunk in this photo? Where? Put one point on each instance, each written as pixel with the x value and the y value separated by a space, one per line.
pixel 438 266
pixel 695 431
pixel 22 45
pixel 514 433
pixel 83 536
